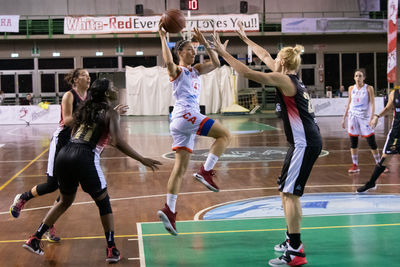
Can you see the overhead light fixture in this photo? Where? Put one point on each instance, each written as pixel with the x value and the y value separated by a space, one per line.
pixel 99 53
pixel 14 55
pixel 56 54
pixel 139 53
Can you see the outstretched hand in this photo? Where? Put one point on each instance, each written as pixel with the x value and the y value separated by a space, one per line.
pixel 121 109
pixel 217 46
pixel 161 30
pixel 200 37
pixel 151 163
pixel 241 32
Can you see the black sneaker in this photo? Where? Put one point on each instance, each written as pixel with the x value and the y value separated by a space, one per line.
pixel 366 187
pixel 34 245
pixel 113 255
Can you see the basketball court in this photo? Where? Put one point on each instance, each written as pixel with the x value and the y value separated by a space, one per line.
pixel 237 226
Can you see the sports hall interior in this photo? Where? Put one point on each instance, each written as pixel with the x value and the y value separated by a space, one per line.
pixel 339 227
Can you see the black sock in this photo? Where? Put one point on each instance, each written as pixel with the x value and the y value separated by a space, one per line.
pixel 58 199
pixel 294 240
pixel 377 172
pixel 110 239
pixel 27 195
pixel 41 230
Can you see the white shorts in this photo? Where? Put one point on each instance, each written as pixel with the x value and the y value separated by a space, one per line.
pixel 186 126
pixel 359 126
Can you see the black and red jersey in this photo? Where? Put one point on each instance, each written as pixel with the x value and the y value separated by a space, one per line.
pixel 298 117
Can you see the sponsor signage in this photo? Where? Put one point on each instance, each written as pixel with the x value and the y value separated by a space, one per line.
pixel 141 24
pixel 9 23
pixel 332 25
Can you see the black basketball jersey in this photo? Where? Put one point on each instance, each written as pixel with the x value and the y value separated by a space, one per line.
pixel 396 112
pixel 298 117
pixel 95 135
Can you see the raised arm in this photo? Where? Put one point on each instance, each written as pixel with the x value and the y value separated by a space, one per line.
pixel 172 68
pixel 281 81
pixel 258 50
pixel 214 63
pixel 123 146
pixel 387 109
pixel 347 108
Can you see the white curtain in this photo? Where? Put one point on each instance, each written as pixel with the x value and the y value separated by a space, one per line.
pixel 149 92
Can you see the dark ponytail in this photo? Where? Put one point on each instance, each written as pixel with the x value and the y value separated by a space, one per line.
pixel 95 107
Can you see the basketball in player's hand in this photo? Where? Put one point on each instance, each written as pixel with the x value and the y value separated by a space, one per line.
pixel 173 20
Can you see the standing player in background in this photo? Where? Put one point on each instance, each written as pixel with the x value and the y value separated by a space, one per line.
pixel 79 163
pixel 79 79
pixel 359 108
pixel 392 144
pixel 187 121
pixel 302 133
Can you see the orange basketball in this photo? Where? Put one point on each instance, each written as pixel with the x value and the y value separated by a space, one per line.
pixel 173 20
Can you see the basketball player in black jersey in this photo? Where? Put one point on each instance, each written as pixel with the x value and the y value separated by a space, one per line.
pixel 79 163
pixel 302 133
pixel 392 144
pixel 79 80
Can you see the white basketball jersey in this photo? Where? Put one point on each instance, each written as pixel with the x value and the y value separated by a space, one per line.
pixel 186 90
pixel 359 106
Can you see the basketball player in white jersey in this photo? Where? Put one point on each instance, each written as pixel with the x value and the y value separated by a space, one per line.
pixel 187 121
pixel 359 109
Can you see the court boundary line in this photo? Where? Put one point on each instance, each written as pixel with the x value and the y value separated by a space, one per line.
pixel 206 192
pixel 274 229
pixel 23 169
pixel 141 245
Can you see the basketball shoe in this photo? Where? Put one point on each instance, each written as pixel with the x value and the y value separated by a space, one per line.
pixel 206 178
pixel 291 257
pixel 51 235
pixel 34 245
pixel 354 168
pixel 17 206
pixel 365 188
pixel 113 255
pixel 168 218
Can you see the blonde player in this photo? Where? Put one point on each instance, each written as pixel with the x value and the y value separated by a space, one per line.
pixel 187 121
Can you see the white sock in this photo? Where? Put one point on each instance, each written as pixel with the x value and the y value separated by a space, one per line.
pixel 355 159
pixel 171 201
pixel 377 158
pixel 210 162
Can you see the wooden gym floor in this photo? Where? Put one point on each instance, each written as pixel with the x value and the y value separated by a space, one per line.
pixel 137 194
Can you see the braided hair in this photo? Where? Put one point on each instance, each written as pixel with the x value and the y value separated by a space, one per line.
pixel 95 107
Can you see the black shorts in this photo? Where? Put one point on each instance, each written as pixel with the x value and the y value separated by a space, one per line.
pixel 297 168
pixel 79 164
pixel 392 144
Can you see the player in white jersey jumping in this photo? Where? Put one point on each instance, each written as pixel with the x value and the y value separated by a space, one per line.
pixel 359 109
pixel 187 121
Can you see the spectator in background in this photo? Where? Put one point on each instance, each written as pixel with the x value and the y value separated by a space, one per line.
pixel 2 97
pixel 343 92
pixel 26 101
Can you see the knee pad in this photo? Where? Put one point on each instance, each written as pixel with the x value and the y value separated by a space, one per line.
pixel 354 141
pixel 50 186
pixel 372 142
pixel 104 205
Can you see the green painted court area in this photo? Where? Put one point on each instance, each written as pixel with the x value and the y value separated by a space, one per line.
pixel 344 240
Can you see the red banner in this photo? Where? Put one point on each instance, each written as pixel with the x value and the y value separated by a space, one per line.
pixel 392 40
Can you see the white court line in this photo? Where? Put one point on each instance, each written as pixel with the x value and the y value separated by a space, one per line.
pixel 206 192
pixel 132 239
pixel 132 259
pixel 141 246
